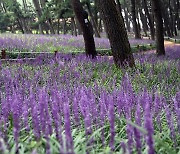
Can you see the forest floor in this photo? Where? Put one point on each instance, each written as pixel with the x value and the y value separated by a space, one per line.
pixel 169 43
pixel 166 43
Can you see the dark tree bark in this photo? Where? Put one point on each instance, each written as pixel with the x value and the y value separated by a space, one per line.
pixel 49 22
pixel 119 6
pixel 100 28
pixel 39 14
pixel 95 12
pixel 177 11
pixel 135 25
pixel 151 24
pixel 82 17
pixel 159 27
pixel 143 18
pixel 64 26
pixel 127 20
pixel 93 20
pixel 73 23
pixel 78 27
pixel 165 16
pixel 116 32
pixel 26 21
pixel 58 25
pixel 172 25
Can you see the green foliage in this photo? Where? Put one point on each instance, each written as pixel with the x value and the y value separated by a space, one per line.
pixel 5 21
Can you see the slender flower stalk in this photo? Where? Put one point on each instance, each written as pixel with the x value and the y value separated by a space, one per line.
pixel 149 127
pixel 136 131
pixel 111 116
pixel 170 124
pixel 67 127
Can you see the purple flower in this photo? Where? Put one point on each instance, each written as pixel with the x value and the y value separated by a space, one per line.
pixel 149 127
pixel 67 126
pixel 177 109
pixel 129 131
pixel 111 116
pixel 170 124
pixel 124 147
pixel 136 131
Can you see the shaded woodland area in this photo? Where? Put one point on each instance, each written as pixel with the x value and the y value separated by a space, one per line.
pixel 143 18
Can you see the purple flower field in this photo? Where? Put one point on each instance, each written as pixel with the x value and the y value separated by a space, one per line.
pixel 62 43
pixel 69 104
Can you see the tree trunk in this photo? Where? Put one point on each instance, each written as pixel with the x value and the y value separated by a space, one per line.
pixel 116 32
pixel 95 12
pixel 58 26
pixel 177 11
pixel 78 27
pixel 100 28
pixel 39 14
pixel 64 26
pixel 119 6
pixel 135 25
pixel 93 20
pixel 49 22
pixel 127 20
pixel 165 16
pixel 159 27
pixel 175 16
pixel 143 18
pixel 26 21
pixel 82 17
pixel 20 25
pixel 74 26
pixel 151 24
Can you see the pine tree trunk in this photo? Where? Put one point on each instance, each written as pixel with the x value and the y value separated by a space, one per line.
pixel 64 26
pixel 74 26
pixel 116 32
pixel 95 12
pixel 127 20
pixel 78 26
pixel 151 24
pixel 165 16
pixel 177 11
pixel 93 20
pixel 135 25
pixel 159 27
pixel 82 17
pixel 143 18
pixel 39 14
pixel 27 21
pixel 58 25
pixel 119 6
pixel 49 22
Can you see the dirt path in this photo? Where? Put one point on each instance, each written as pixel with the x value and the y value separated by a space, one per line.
pixel 166 44
pixel 169 43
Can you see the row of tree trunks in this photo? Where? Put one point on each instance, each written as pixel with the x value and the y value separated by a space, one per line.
pixel 97 34
pixel 156 5
pixel 143 19
pixel 49 22
pixel 73 26
pixel 151 23
pixel 167 22
pixel 134 17
pixel 39 14
pixel 127 17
